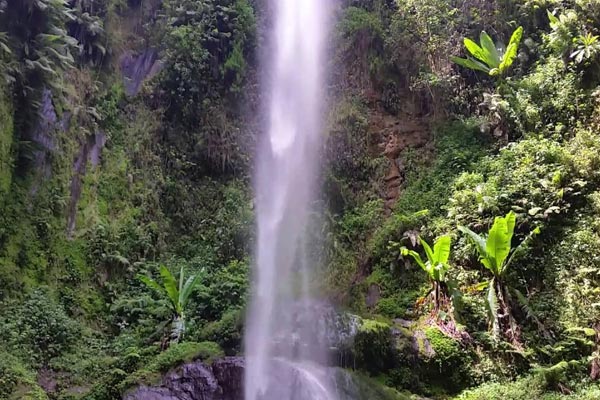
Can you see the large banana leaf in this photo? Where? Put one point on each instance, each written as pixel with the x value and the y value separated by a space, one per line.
pixel 471 64
pixel 511 50
pixel 499 240
pixel 170 285
pixel 187 289
pixel 490 50
pixel 430 254
pixel 441 250
pixel 151 283
pixel 417 257
pixel 477 239
pixel 476 51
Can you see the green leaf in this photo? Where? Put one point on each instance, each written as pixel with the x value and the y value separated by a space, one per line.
pixel 511 220
pixel 489 48
pixel 498 243
pixel 476 51
pixel 470 63
pixel 478 240
pixel 416 256
pixel 188 289
pixel 478 287
pixel 441 249
pixel 170 285
pixel 511 52
pixel 554 21
pixel 428 251
pixel 151 283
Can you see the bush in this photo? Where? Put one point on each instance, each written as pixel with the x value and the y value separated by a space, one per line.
pixel 39 328
pixel 227 332
pixel 531 387
pixel 16 381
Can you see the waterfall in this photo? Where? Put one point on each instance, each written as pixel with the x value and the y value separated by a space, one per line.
pixel 284 359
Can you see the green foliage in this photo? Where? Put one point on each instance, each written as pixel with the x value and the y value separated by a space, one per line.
pixel 489 57
pixel 41 47
pixel 209 47
pixel 494 253
pixel 451 361
pixel 227 332
pixel 372 349
pixel 175 355
pixel 459 146
pixel 87 26
pixel 178 296
pixel 38 329
pixel 534 386
pixel 225 290
pixel 437 265
pixel 587 48
pixel 16 381
pixel 6 141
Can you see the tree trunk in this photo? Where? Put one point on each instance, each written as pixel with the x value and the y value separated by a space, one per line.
pixel 178 328
pixel 506 321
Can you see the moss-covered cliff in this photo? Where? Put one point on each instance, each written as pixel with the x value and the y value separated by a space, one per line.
pixel 127 131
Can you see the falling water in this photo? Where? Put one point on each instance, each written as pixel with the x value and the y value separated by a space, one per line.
pixel 283 357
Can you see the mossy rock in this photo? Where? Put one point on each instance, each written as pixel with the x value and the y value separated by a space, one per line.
pixel 173 357
pixel 373 349
pixel 448 364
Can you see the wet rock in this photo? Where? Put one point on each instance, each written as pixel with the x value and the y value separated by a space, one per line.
pixel 137 68
pixel 230 372
pixel 373 295
pixel 320 321
pixel 223 380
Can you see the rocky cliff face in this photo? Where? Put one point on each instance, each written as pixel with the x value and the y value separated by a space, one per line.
pixel 222 380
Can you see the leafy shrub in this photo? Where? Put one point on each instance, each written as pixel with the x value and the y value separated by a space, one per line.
pixel 227 332
pixel 39 328
pixel 16 381
pixel 547 100
pixel 525 389
pixel 534 176
pixel 226 289
pixel 458 147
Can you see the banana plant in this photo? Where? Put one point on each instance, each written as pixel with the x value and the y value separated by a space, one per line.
pixel 436 267
pixel 177 296
pixel 496 255
pixel 489 57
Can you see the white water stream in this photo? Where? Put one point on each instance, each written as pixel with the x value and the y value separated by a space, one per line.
pixel 284 360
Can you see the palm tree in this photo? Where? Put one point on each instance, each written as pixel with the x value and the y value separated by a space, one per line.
pixel 178 296
pixel 496 255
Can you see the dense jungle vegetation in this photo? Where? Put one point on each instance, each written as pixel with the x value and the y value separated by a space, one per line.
pixel 460 207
